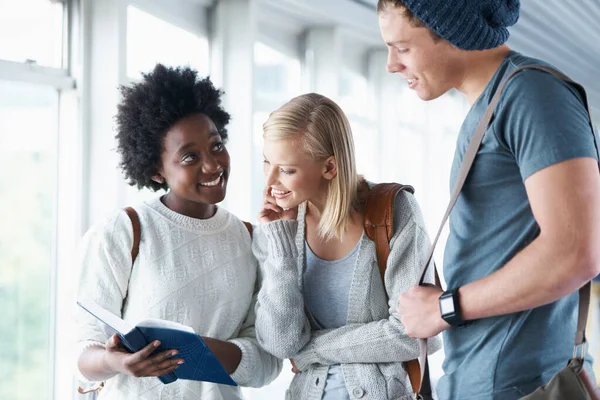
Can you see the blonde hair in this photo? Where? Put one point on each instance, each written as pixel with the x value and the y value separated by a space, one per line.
pixel 322 131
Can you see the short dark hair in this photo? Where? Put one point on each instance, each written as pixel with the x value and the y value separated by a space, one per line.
pixel 412 18
pixel 151 107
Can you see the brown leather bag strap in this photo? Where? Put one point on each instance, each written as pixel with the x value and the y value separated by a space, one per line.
pixel 137 232
pixel 248 226
pixel 379 227
pixel 379 219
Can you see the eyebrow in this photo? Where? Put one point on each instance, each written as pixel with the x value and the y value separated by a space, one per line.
pixel 183 148
pixel 397 42
pixel 280 165
pixel 186 146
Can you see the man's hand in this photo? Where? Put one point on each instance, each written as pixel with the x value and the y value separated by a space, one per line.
pixel 420 312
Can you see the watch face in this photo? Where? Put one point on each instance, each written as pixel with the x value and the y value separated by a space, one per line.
pixel 447 305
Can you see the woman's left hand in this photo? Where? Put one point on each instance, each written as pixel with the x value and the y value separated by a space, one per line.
pixel 272 212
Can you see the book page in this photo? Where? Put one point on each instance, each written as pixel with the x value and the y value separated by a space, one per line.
pixel 161 323
pixel 106 317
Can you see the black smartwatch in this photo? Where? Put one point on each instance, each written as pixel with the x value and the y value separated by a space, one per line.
pixel 450 308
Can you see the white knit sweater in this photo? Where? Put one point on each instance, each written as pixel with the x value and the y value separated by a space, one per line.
pixel 200 273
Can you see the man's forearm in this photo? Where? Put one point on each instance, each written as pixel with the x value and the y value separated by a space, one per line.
pixel 541 273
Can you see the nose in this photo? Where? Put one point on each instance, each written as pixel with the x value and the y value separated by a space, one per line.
pixel 270 174
pixel 210 164
pixel 393 62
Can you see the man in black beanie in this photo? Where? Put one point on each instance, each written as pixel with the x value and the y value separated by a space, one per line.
pixel 525 231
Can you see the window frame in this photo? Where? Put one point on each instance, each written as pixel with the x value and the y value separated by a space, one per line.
pixel 65 194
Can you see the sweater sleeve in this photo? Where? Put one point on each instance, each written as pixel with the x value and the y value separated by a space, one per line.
pixel 257 367
pixel 105 267
pixel 384 340
pixel 282 327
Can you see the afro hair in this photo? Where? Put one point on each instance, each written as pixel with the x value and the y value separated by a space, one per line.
pixel 151 107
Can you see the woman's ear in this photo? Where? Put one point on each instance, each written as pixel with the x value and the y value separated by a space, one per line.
pixel 330 168
pixel 158 178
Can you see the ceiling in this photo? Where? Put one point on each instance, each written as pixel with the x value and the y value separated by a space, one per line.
pixel 562 33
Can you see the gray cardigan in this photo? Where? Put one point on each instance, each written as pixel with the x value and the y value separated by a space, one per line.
pixel 373 343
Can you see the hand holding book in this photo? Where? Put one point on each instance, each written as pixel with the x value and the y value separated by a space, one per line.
pixel 142 363
pixel 135 350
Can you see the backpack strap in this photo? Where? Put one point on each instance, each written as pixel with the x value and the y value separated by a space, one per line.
pixel 379 219
pixel 137 231
pixel 135 249
pixel 379 227
pixel 249 227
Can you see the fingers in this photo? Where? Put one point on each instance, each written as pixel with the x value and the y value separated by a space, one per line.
pixel 272 207
pixel 163 364
pixel 113 342
pixel 146 351
pixel 270 210
pixel 267 192
pixel 268 197
pixel 268 213
pixel 164 371
pixel 161 357
pixel 115 345
pixel 142 364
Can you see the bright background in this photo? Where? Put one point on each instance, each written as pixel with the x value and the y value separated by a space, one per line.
pixel 62 61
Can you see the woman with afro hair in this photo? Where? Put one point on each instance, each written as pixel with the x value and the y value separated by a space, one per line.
pixel 195 264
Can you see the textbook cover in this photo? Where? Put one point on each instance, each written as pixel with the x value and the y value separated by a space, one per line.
pixel 200 364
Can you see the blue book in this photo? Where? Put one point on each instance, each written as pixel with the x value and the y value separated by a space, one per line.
pixel 200 364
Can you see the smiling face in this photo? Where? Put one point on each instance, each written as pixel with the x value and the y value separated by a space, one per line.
pixel 431 66
pixel 195 166
pixel 294 176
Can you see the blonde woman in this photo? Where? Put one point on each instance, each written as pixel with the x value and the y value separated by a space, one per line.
pixel 322 302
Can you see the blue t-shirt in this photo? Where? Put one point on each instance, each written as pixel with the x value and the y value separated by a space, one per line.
pixel 539 121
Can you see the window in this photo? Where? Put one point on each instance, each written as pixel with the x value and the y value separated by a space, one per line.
pixel 28 186
pixel 354 95
pixel 151 40
pixel 356 104
pixel 36 99
pixel 366 138
pixel 31 31
pixel 277 78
